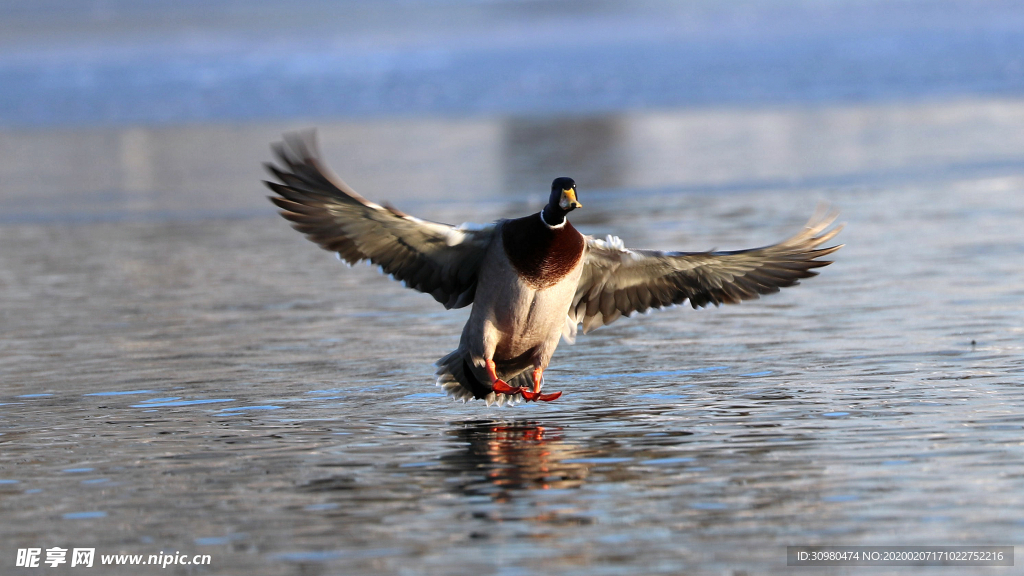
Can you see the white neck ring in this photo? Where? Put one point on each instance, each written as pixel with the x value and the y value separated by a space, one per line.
pixel 553 226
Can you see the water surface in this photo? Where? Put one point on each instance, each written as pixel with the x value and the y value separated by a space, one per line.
pixel 222 386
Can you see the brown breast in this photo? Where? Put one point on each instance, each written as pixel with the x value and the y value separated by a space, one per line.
pixel 541 255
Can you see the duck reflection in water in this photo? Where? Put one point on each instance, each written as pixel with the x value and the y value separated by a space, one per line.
pixel 500 458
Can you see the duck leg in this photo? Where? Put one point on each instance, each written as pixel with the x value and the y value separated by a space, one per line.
pixel 497 384
pixel 538 380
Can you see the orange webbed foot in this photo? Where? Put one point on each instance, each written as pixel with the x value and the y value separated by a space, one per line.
pixel 497 384
pixel 535 395
pixel 502 387
pixel 530 395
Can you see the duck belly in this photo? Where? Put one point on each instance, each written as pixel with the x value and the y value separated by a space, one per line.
pixel 516 325
pixel 530 324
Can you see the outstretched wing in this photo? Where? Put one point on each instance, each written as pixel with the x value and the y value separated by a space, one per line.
pixel 438 259
pixel 617 281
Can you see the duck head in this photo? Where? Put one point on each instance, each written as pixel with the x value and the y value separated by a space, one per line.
pixel 561 202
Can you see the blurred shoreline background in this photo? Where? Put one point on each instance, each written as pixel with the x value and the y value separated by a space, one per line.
pixel 115 109
pixel 102 62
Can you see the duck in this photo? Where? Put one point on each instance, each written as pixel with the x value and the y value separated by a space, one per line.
pixel 532 281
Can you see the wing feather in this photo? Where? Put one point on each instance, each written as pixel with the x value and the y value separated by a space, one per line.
pixel 438 259
pixel 617 281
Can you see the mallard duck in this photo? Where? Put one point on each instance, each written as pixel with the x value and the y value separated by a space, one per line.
pixel 530 280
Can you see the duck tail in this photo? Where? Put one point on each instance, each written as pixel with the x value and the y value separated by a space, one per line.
pixel 458 381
